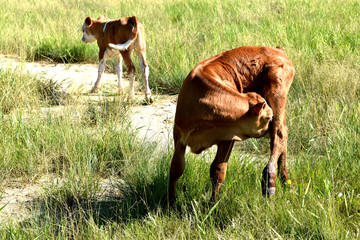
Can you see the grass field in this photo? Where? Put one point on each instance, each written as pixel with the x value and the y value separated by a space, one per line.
pixel 323 114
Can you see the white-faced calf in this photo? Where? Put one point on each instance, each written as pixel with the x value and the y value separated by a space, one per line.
pixel 117 39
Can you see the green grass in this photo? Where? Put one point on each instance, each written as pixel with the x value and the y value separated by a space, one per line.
pixel 90 141
pixel 17 90
pixel 187 32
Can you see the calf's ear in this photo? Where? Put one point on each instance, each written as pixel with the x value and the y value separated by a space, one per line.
pixel 88 21
pixel 102 18
pixel 256 110
pixel 132 21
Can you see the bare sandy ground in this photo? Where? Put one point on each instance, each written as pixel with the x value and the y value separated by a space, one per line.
pixel 153 122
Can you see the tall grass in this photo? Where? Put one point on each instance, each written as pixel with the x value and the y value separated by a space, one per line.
pixel 17 91
pixel 187 32
pixel 34 142
pixel 90 141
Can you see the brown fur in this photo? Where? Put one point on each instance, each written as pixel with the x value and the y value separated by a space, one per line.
pixel 211 109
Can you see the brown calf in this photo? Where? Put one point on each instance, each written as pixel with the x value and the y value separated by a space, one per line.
pixel 118 38
pixel 212 109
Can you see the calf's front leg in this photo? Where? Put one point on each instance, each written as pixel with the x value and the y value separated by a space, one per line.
pixel 100 72
pixel 219 166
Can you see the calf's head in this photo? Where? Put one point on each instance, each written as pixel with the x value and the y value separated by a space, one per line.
pixel 258 116
pixel 88 36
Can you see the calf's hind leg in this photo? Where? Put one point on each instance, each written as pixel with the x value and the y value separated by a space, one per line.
pixel 131 71
pixel 280 79
pixel 219 166
pixel 118 69
pixel 282 162
pixel 176 168
pixel 101 70
pixel 145 73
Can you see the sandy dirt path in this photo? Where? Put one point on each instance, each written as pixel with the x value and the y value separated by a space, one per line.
pixel 153 122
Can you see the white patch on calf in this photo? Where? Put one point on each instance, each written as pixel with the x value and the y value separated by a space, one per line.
pixel 147 72
pixel 121 46
pixel 105 25
pixel 271 191
pixel 87 38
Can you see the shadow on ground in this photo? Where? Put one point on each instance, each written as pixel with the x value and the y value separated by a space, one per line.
pixel 131 200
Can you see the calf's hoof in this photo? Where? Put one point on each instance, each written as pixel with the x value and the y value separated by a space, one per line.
pixel 94 90
pixel 168 201
pixel 149 99
pixel 268 192
pixel 213 200
pixel 268 183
